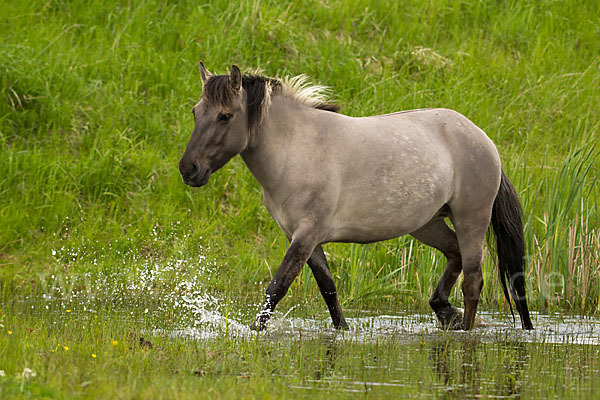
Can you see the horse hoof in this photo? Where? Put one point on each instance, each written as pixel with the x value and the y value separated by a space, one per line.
pixel 451 318
pixel 257 327
pixel 342 326
pixel 259 324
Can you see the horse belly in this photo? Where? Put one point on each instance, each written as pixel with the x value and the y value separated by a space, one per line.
pixel 391 206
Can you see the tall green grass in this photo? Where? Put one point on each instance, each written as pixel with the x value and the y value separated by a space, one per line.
pixel 94 114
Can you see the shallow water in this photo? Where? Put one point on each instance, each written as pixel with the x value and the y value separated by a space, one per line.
pixel 203 316
pixel 402 354
pixel 408 327
pixel 409 356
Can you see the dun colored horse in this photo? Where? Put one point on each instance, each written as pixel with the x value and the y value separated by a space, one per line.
pixel 328 177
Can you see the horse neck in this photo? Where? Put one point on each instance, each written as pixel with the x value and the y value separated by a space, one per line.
pixel 268 150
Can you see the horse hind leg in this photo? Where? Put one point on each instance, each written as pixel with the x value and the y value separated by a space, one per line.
pixel 438 235
pixel 470 230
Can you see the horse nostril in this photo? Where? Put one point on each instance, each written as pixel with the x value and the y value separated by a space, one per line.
pixel 187 168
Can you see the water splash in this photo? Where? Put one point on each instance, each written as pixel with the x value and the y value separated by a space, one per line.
pixel 177 286
pixel 404 328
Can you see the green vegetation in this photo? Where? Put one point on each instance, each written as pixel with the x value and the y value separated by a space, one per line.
pixel 95 101
pixel 82 355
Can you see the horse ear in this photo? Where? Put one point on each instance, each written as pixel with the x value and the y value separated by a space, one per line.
pixel 204 73
pixel 235 77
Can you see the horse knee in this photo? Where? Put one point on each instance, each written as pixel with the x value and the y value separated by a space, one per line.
pixel 453 255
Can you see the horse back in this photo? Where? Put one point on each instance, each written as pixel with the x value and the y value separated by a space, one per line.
pixel 399 170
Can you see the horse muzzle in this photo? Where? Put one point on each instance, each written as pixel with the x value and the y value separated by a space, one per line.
pixel 198 179
pixel 193 175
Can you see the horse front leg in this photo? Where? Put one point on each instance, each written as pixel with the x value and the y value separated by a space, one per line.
pixel 295 258
pixel 318 264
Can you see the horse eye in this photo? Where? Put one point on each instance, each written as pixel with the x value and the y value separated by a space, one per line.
pixel 224 117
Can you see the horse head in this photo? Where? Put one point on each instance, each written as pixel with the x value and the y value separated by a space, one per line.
pixel 220 130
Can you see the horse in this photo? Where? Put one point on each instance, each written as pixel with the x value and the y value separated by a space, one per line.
pixel 328 177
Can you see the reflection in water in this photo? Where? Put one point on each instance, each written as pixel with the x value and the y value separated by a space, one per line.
pixel 439 359
pixel 459 366
pixel 456 365
pixel 400 355
pixel 513 368
pixel 327 363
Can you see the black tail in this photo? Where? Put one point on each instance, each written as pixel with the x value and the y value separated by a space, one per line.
pixel 508 228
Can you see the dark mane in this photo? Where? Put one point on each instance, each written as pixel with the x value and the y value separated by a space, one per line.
pixel 218 92
pixel 328 107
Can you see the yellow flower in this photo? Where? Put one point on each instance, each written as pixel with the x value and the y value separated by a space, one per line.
pixel 10 332
pixel 93 355
pixel 68 310
pixel 66 348
pixel 114 342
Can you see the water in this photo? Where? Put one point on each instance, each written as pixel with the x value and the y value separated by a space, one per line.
pixel 407 327
pixel 178 286
pixel 409 356
pixel 401 354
